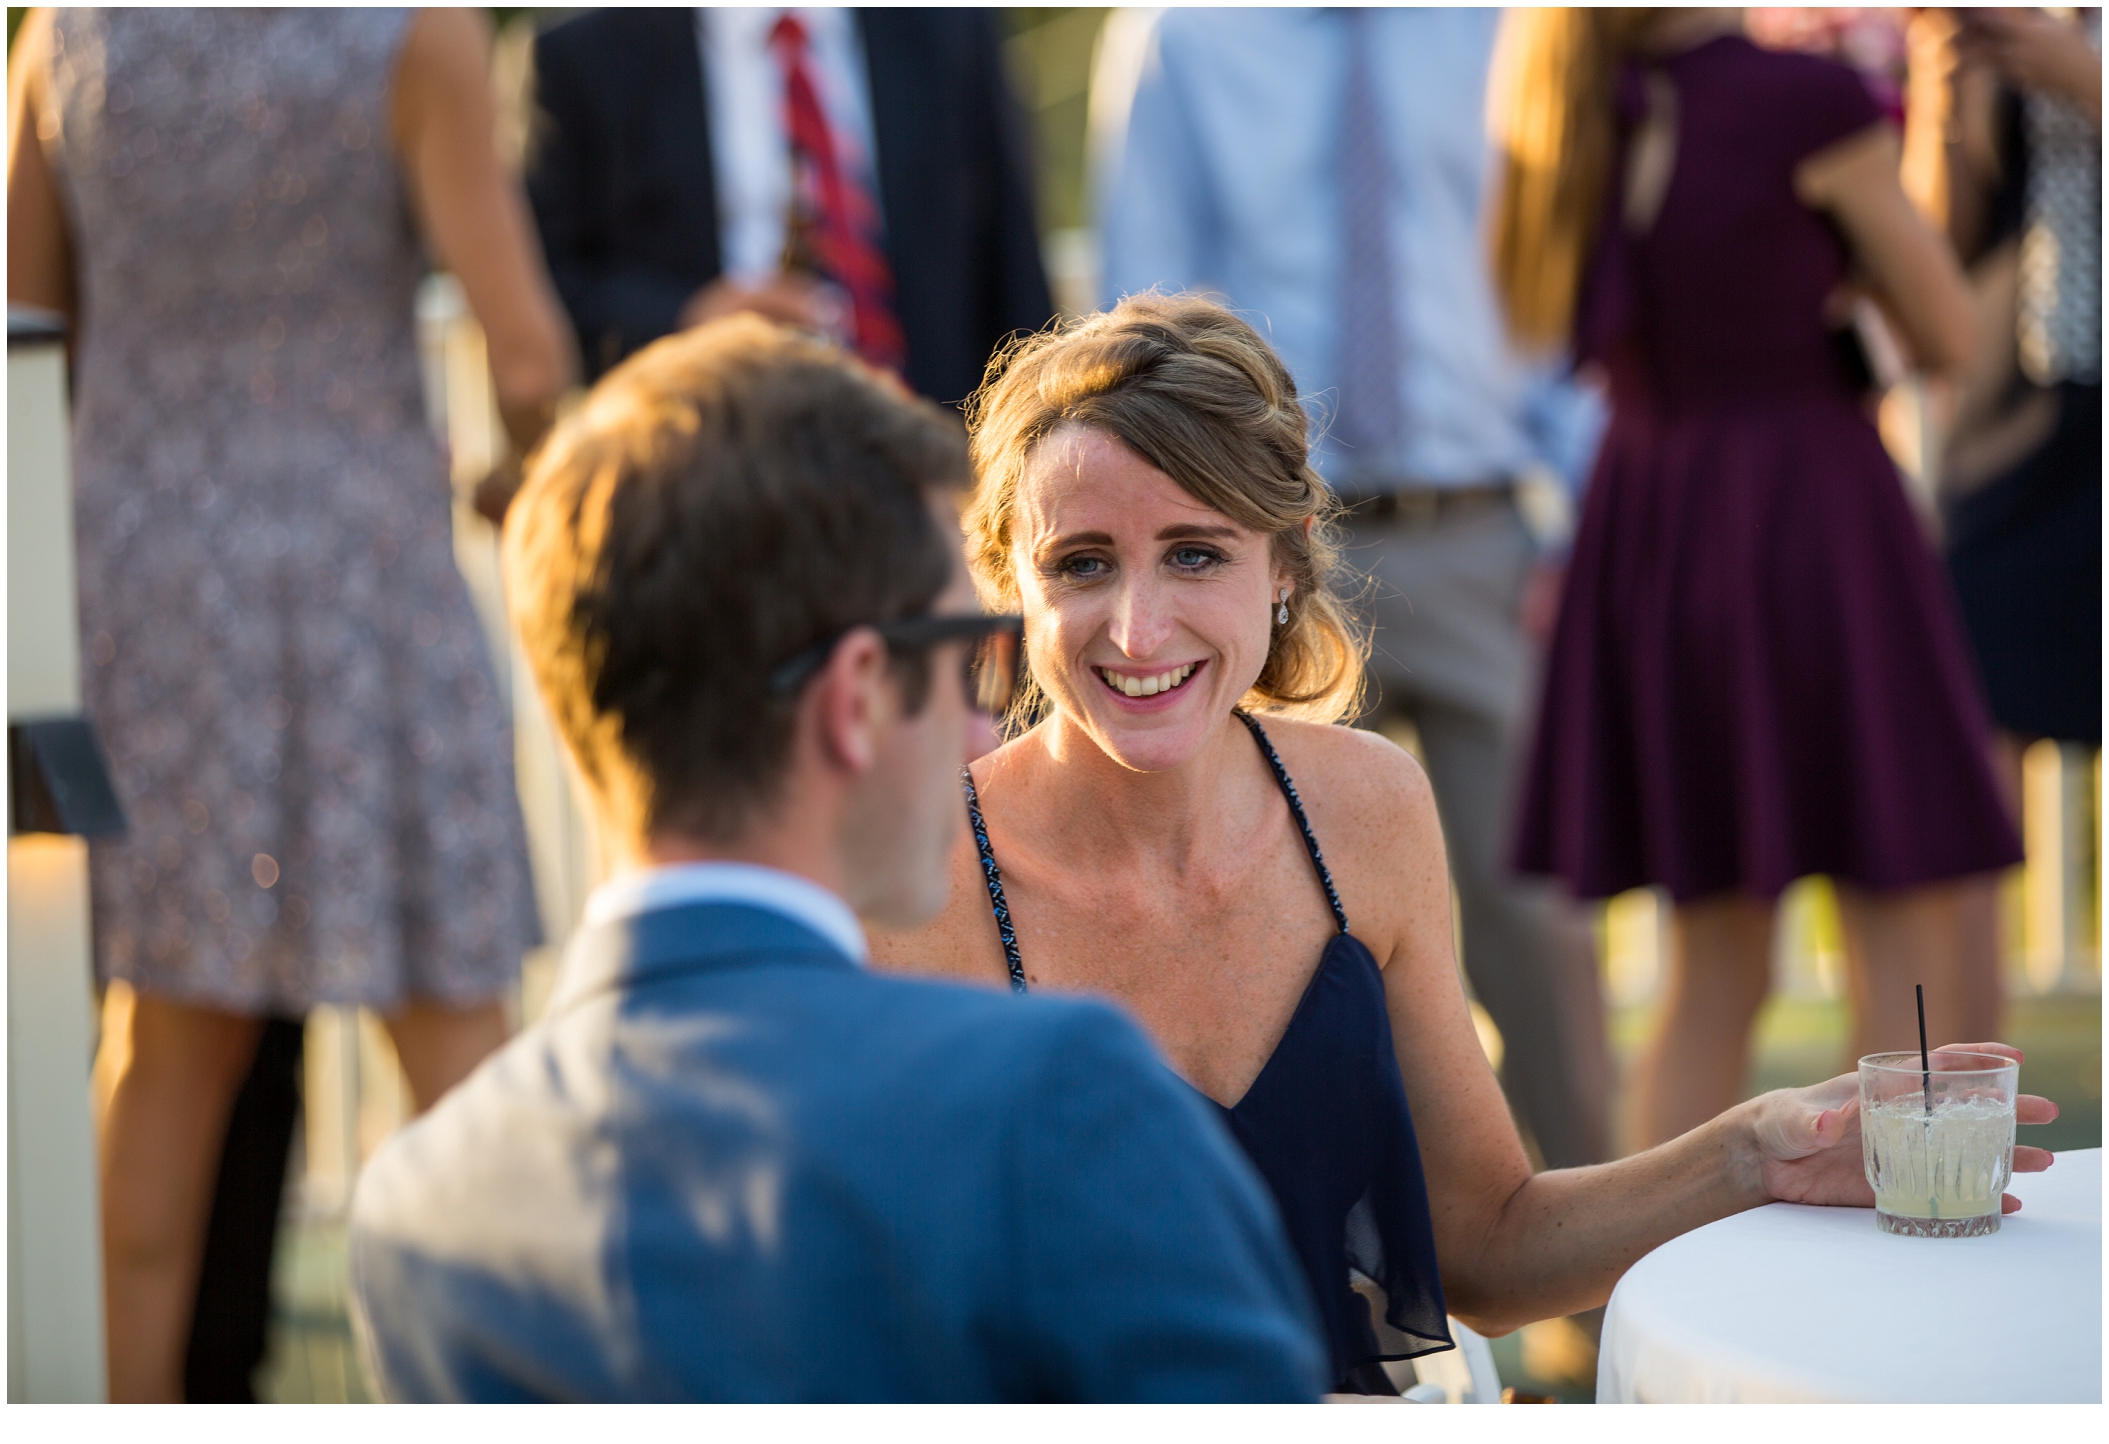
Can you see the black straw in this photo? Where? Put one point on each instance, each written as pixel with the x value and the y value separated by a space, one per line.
pixel 1925 1063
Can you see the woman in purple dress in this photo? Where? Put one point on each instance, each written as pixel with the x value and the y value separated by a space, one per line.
pixel 1758 672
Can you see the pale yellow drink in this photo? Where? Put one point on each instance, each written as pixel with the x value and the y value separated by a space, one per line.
pixel 1948 1167
pixel 1938 1172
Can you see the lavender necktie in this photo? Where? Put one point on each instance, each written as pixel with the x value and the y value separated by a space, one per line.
pixel 1370 422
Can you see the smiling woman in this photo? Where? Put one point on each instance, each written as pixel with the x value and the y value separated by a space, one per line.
pixel 1147 506
pixel 1179 388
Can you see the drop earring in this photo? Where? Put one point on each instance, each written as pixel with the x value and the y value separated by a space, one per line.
pixel 1281 617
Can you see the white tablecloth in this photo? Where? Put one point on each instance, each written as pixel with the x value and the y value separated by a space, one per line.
pixel 1791 1303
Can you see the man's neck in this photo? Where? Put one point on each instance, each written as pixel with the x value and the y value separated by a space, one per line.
pixel 792 839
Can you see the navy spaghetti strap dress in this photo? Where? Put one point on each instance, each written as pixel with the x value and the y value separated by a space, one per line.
pixel 1327 1126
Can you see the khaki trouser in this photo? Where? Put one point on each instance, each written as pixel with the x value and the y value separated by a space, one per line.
pixel 1449 658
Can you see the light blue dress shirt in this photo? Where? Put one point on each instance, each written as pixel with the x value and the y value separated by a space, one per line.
pixel 1220 174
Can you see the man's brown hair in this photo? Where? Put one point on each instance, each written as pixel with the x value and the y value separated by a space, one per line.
pixel 725 500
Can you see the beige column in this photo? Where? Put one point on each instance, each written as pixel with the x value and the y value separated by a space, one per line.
pixel 54 1269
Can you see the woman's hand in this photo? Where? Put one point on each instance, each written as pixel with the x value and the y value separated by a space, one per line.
pixel 1807 1140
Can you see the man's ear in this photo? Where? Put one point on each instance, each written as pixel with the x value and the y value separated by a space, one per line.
pixel 853 701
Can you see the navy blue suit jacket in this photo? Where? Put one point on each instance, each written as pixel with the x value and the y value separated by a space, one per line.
pixel 732 1164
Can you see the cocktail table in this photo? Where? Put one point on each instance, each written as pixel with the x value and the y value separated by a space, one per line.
pixel 1792 1303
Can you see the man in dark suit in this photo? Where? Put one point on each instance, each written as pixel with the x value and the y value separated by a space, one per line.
pixel 646 198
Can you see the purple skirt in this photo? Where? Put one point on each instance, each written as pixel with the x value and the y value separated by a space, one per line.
pixel 1758 671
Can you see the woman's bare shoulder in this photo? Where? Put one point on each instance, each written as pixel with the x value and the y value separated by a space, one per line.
pixel 1373 813
pixel 1362 778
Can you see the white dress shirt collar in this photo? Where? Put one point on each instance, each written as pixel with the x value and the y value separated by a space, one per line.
pixel 682 884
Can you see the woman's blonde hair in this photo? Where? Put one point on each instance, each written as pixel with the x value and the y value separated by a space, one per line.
pixel 1551 105
pixel 1196 393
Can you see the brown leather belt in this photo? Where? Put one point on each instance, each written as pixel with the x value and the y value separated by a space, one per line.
pixel 1417 507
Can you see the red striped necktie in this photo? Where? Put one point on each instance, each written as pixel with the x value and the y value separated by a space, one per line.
pixel 845 227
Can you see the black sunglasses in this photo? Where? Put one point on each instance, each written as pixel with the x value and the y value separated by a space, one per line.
pixel 991 672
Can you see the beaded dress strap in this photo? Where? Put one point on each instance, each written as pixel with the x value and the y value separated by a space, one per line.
pixel 993 876
pixel 1303 824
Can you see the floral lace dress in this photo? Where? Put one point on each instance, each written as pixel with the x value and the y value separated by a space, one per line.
pixel 279 653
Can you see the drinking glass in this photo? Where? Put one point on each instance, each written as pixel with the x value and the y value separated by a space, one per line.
pixel 1938 1140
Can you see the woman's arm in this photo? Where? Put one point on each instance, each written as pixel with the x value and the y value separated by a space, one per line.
pixel 1912 269
pixel 1565 1238
pixel 474 217
pixel 1515 1247
pixel 39 256
pixel 1470 1152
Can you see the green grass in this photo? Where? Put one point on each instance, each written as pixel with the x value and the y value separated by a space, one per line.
pixel 310 1358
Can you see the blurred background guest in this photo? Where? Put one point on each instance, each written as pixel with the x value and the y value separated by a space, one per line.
pixel 1323 171
pixel 283 663
pixel 2005 151
pixel 859 174
pixel 1757 669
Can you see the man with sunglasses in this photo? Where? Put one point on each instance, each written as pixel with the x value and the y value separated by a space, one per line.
pixel 730 1163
